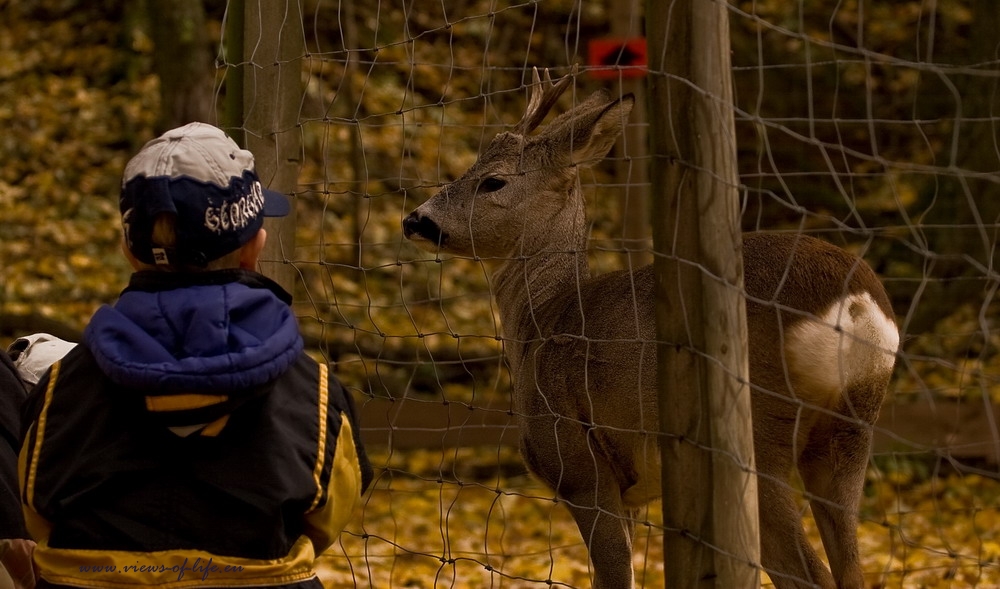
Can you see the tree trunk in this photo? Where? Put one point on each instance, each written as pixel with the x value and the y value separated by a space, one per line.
pixel 183 61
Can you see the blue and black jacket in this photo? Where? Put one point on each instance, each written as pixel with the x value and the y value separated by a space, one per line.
pixel 12 396
pixel 189 441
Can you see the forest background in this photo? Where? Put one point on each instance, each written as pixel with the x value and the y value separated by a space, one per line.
pixel 871 124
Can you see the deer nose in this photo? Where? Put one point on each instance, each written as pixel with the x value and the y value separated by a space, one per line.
pixel 423 227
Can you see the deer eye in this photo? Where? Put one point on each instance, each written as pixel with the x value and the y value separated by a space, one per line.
pixel 491 184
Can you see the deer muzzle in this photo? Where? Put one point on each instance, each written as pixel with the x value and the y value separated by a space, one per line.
pixel 419 228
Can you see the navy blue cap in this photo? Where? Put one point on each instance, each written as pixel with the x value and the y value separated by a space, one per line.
pixel 200 175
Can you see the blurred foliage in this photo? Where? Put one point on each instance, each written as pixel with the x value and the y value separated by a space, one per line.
pixel 959 362
pixel 73 104
pixel 831 130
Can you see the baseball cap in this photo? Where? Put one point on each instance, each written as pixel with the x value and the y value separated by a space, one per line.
pixel 202 176
pixel 34 354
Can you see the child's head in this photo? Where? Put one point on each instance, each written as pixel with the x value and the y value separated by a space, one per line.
pixel 191 200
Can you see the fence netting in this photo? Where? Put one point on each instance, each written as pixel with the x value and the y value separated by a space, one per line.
pixel 872 126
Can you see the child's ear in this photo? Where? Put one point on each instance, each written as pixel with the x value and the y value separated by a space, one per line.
pixel 251 250
pixel 136 264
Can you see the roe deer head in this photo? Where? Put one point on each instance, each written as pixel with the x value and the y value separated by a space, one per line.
pixel 581 349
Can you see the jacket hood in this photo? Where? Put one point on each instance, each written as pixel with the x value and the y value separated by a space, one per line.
pixel 225 332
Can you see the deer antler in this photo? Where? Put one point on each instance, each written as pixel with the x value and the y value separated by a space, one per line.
pixel 543 98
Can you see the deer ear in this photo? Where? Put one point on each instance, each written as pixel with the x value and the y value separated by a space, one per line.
pixel 595 133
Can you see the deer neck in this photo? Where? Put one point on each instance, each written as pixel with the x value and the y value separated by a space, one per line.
pixel 534 285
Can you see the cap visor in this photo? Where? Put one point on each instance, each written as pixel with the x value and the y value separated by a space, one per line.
pixel 275 204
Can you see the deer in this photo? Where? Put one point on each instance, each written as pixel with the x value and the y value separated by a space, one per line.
pixel 822 342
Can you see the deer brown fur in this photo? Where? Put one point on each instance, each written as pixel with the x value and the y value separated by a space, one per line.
pixel 581 349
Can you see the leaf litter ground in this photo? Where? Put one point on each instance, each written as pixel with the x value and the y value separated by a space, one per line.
pixel 435 520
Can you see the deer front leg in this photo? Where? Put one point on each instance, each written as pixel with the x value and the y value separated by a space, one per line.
pixel 608 535
pixel 560 452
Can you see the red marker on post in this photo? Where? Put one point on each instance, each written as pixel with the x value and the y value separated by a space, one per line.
pixel 610 58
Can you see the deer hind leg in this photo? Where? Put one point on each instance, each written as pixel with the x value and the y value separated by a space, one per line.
pixel 789 559
pixel 843 373
pixel 833 469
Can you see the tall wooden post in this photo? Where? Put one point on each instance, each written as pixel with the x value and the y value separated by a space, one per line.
pixel 627 23
pixel 709 486
pixel 264 51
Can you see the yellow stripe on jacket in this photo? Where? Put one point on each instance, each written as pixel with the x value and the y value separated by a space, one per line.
pixel 323 525
pixel 27 468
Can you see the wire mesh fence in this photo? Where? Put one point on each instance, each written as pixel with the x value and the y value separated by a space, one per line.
pixel 870 125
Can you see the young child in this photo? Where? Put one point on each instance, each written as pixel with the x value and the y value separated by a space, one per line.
pixel 188 439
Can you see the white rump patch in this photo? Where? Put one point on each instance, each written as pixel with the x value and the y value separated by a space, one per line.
pixel 850 342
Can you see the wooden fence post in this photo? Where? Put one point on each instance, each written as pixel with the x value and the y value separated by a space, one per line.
pixel 633 171
pixel 264 51
pixel 709 484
